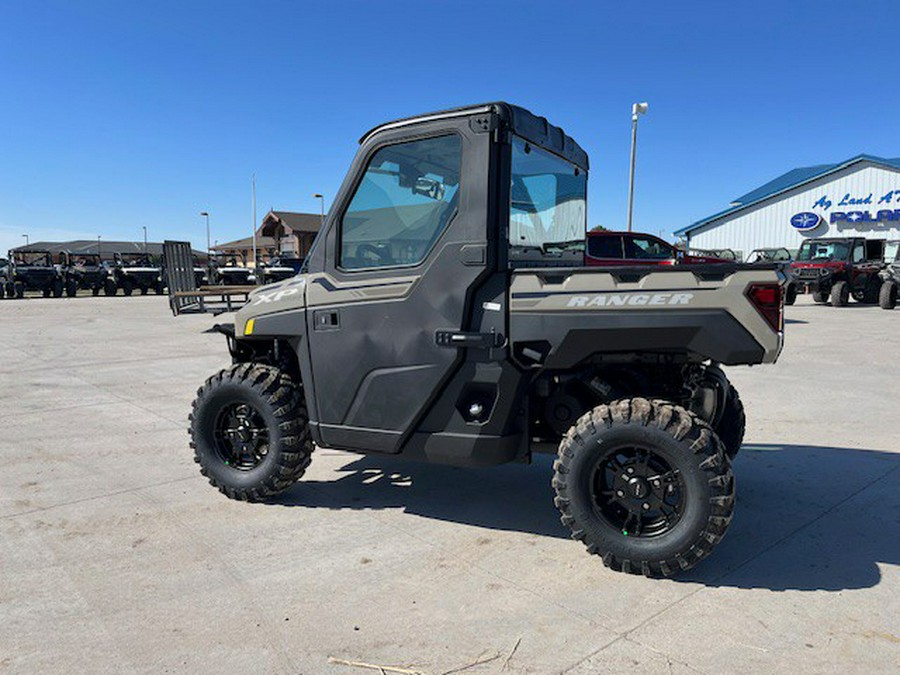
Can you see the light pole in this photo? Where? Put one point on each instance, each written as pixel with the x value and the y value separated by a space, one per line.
pixel 321 199
pixel 205 214
pixel 255 261
pixel 636 109
pixel 144 227
pixel 98 248
pixel 27 241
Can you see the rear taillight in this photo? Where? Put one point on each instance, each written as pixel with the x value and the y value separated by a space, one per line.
pixel 767 298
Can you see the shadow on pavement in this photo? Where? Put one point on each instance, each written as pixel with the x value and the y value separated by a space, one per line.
pixel 807 518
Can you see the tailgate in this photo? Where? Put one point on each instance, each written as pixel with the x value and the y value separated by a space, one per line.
pixel 568 315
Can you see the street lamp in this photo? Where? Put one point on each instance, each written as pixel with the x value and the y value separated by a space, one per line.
pixel 636 109
pixel 144 227
pixel 205 214
pixel 321 199
pixel 27 242
pixel 100 255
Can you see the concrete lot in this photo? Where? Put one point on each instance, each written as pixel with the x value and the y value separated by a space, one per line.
pixel 116 556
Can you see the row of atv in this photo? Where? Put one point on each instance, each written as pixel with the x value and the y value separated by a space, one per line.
pixel 37 271
pixel 833 270
pixel 55 275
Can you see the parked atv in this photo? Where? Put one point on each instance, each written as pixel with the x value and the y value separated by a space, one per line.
pixel 280 268
pixel 201 272
pixel 890 275
pixel 230 270
pixel 419 329
pixel 5 278
pixel 136 271
pixel 835 269
pixel 33 271
pixel 87 271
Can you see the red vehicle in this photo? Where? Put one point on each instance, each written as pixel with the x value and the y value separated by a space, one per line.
pixel 835 269
pixel 635 248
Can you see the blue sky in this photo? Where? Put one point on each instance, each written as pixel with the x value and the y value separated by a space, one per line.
pixel 116 115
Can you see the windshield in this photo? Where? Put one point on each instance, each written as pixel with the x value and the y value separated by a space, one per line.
pixel 890 251
pixel 548 199
pixel 824 250
pixel 30 259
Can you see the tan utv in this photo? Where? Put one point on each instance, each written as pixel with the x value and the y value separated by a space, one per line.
pixel 437 318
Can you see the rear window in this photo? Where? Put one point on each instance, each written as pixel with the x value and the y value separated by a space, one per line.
pixel 645 248
pixel 605 247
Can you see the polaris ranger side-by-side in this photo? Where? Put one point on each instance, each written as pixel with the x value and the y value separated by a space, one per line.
pixel 835 269
pixel 229 269
pixel 88 271
pixel 137 271
pixel 33 271
pixel 430 322
pixel 890 275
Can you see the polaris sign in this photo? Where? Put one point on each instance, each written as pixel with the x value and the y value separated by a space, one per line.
pixel 863 220
pixel 806 221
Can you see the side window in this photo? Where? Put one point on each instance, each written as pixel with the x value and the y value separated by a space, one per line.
pixel 859 252
pixel 605 247
pixel 647 249
pixel 402 205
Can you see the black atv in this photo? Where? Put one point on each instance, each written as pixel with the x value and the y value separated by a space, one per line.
pixel 33 271
pixel 137 271
pixel 87 271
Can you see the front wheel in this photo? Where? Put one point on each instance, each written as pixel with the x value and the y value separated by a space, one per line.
pixel 110 287
pixel 887 297
pixel 820 297
pixel 646 485
pixel 249 431
pixel 840 294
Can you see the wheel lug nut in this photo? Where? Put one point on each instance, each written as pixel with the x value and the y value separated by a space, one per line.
pixel 630 469
pixel 656 483
pixel 620 493
pixel 645 506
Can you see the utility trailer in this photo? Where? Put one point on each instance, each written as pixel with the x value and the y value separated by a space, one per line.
pixel 186 295
pixel 431 322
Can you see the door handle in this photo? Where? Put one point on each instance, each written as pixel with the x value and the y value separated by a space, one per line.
pixel 326 319
pixel 455 338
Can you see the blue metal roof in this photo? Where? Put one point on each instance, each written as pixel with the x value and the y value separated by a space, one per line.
pixel 785 182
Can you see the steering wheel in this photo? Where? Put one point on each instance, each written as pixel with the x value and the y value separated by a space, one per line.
pixel 382 254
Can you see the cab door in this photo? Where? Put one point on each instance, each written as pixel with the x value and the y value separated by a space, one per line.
pixel 389 287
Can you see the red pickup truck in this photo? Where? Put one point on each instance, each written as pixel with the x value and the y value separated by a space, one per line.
pixel 604 249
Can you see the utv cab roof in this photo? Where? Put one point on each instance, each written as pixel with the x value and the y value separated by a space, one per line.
pixel 520 121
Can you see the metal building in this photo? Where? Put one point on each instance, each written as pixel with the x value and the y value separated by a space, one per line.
pixel 858 197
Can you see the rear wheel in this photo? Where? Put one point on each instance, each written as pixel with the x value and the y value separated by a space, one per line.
pixel 45 292
pixel 56 287
pixel 887 297
pixel 820 296
pixel 249 430
pixel 790 294
pixel 143 290
pixel 127 286
pixel 840 294
pixel 646 485
pixel 19 289
pixel 71 288
pixel 109 287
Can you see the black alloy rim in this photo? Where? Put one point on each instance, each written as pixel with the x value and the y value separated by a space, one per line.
pixel 637 492
pixel 241 436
